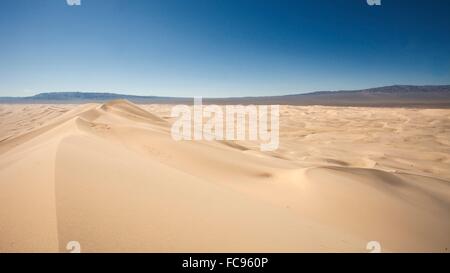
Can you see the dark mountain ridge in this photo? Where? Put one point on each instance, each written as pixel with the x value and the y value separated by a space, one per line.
pixel 387 96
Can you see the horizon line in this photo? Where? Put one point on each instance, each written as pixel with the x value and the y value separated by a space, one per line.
pixel 263 96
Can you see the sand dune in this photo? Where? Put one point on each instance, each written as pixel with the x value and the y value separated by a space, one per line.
pixel 111 177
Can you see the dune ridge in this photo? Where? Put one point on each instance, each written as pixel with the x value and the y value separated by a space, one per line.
pixel 111 177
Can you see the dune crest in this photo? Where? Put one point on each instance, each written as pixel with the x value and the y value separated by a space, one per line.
pixel 111 177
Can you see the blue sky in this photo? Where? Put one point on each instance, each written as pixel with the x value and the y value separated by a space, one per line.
pixel 217 48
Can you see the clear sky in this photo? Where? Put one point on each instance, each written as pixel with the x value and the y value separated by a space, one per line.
pixel 217 48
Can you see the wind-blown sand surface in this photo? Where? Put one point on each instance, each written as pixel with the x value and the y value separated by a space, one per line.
pixel 111 177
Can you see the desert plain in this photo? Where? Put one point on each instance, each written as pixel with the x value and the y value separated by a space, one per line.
pixel 111 177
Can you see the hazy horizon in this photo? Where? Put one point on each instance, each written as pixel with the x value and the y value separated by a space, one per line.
pixel 124 93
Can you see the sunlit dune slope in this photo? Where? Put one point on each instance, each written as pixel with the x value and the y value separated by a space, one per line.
pixel 111 177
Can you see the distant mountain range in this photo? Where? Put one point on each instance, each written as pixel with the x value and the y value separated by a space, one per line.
pixel 388 96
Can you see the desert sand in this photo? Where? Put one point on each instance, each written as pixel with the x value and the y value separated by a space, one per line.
pixel 111 177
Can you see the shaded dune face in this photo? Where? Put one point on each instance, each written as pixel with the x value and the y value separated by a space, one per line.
pixel 111 177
